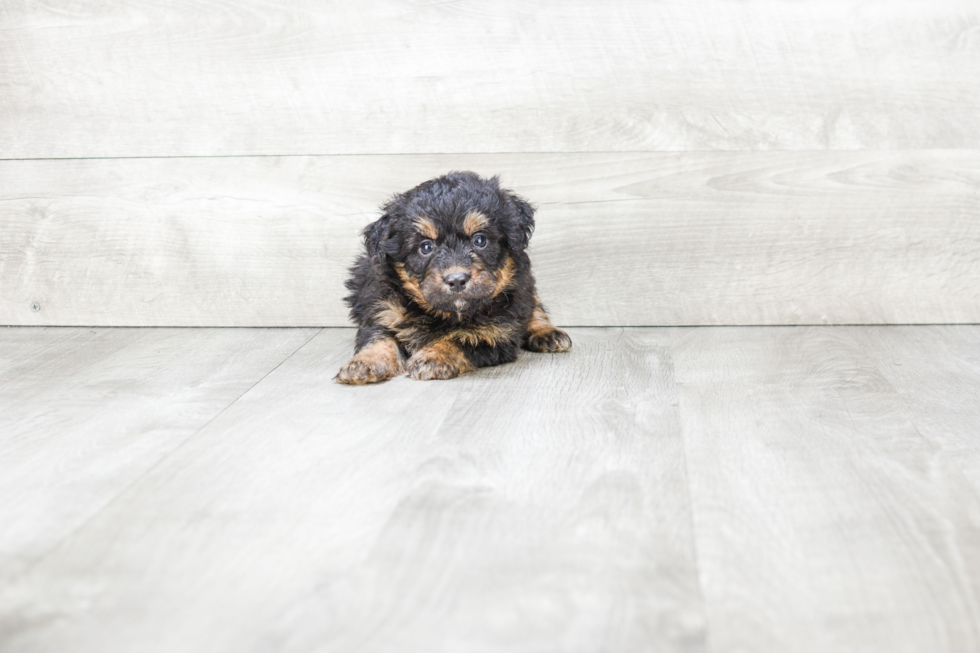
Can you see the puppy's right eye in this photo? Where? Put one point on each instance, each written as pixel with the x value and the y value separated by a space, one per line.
pixel 426 247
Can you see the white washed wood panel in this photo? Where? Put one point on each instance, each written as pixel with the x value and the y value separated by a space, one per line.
pixel 87 79
pixel 825 520
pixel 622 239
pixel 407 516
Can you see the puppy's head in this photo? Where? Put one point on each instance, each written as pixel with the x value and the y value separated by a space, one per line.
pixel 452 241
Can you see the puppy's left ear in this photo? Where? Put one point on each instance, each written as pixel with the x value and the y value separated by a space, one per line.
pixel 519 232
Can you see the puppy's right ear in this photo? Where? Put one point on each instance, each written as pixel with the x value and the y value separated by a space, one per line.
pixel 377 238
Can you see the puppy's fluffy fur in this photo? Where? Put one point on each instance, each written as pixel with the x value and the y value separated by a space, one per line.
pixel 445 285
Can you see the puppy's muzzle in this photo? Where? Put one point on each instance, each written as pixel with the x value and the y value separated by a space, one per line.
pixel 456 279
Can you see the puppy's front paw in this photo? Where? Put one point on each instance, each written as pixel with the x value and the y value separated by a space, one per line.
pixel 551 341
pixel 443 360
pixel 376 362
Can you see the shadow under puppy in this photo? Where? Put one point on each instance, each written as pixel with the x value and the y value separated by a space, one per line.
pixel 445 284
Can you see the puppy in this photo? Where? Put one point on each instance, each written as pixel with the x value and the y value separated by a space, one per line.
pixel 445 285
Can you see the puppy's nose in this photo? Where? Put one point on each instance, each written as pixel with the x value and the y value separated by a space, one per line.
pixel 457 280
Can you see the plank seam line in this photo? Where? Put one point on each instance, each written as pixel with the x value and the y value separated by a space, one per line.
pixel 747 326
pixel 507 153
pixel 692 521
pixel 352 327
pixel 81 527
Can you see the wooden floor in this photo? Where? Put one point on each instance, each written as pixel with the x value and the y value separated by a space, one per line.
pixel 656 489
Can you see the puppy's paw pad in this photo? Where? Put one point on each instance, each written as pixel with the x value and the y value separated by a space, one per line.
pixel 549 342
pixel 426 367
pixel 361 372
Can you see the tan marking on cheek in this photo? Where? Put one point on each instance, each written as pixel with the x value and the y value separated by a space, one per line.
pixel 474 221
pixel 411 287
pixel 505 276
pixel 426 227
pixel 479 273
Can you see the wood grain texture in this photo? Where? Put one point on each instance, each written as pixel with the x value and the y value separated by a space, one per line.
pixel 637 239
pixel 825 519
pixel 87 412
pixel 936 377
pixel 537 506
pixel 724 489
pixel 91 79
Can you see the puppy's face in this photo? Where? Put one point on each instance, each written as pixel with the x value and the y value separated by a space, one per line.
pixel 452 241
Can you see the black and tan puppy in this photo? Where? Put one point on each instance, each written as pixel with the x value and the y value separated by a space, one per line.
pixel 445 285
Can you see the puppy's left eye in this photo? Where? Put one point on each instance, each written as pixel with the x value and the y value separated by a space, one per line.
pixel 480 240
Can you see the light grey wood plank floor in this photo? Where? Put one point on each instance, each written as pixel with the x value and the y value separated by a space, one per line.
pixel 84 413
pixel 714 489
pixel 824 519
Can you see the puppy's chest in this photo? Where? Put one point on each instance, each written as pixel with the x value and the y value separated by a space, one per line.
pixel 415 330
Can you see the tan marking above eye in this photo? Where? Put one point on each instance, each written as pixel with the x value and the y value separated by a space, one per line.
pixel 426 227
pixel 475 221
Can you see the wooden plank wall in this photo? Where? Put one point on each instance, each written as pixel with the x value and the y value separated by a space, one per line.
pixel 693 163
